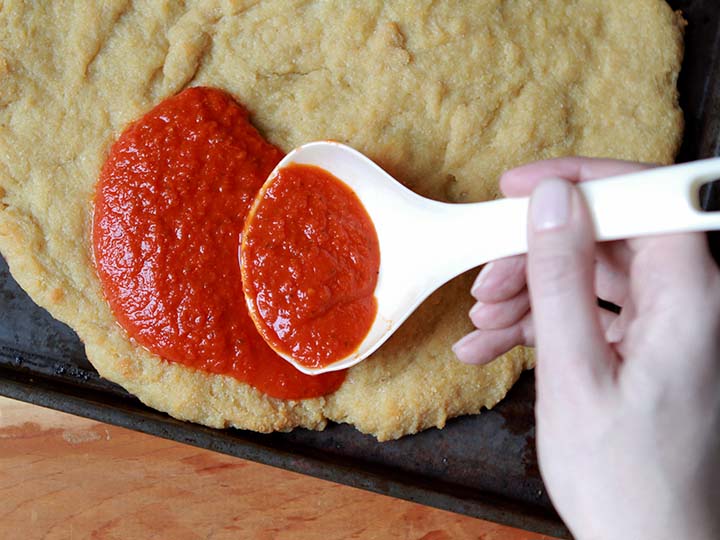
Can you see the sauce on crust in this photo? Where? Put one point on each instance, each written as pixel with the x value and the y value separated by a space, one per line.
pixel 170 205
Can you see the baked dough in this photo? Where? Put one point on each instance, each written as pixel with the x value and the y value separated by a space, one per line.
pixel 444 95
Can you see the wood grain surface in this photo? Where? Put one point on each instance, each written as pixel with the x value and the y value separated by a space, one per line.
pixel 65 477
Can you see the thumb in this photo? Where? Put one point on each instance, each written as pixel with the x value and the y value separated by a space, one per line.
pixel 573 355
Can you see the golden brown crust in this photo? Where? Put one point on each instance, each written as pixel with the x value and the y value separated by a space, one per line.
pixel 445 95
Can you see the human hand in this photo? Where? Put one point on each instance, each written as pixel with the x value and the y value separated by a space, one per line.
pixel 628 405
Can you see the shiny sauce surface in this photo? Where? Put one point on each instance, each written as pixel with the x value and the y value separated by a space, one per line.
pixel 310 261
pixel 170 205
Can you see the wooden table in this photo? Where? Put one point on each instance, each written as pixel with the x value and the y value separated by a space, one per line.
pixel 66 477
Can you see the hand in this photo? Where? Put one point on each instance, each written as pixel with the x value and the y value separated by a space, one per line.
pixel 628 405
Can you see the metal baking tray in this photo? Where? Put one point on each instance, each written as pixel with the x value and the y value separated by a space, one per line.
pixel 483 466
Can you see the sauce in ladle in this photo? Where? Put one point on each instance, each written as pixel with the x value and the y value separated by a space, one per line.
pixel 310 259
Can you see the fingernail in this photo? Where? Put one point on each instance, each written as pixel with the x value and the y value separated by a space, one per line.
pixel 476 307
pixel 481 280
pixel 463 348
pixel 550 205
pixel 458 347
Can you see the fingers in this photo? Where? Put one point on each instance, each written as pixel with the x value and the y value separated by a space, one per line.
pixel 500 280
pixel 521 181
pixel 493 316
pixel 503 279
pixel 612 270
pixel 672 337
pixel 571 347
pixel 486 344
pixel 671 271
pixel 609 322
pixel 676 292
pixel 616 326
pixel 501 314
pixel 483 346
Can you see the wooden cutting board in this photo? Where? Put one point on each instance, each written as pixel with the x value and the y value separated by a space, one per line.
pixel 66 477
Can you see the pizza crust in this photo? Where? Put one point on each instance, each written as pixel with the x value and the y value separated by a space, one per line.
pixel 444 95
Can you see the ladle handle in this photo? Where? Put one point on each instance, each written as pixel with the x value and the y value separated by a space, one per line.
pixel 654 201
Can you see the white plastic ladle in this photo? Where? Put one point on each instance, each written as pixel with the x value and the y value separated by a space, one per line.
pixel 425 243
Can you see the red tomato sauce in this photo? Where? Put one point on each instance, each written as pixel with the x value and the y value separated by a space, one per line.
pixel 310 260
pixel 170 205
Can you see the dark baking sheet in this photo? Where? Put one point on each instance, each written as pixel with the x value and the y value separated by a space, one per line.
pixel 482 466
